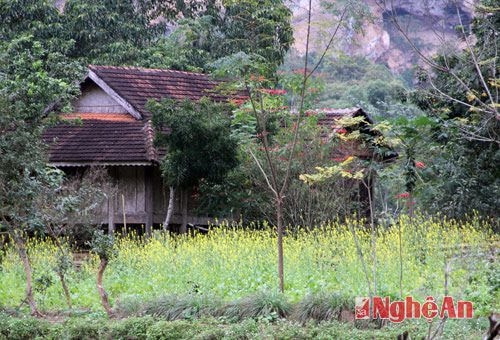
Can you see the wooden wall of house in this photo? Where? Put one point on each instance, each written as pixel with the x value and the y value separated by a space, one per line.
pixel 131 196
pixel 144 199
pixel 94 100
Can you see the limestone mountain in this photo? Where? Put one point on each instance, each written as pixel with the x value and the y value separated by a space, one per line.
pixel 431 24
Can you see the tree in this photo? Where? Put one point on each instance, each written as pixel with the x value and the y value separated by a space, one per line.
pixel 304 206
pixel 252 79
pixel 259 27
pixel 36 77
pixel 109 32
pixel 458 89
pixel 219 29
pixel 198 145
pixel 104 246
pixel 75 202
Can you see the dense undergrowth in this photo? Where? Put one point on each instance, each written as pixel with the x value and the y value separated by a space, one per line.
pixel 97 326
pixel 218 271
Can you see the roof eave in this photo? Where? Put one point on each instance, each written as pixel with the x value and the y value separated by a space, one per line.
pixel 101 163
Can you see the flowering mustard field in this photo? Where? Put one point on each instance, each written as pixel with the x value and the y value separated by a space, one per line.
pixel 234 262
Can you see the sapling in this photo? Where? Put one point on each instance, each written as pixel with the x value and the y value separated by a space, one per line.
pixel 104 246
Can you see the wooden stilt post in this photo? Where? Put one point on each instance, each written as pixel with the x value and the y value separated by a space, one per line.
pixel 149 199
pixel 124 216
pixel 111 215
pixel 184 204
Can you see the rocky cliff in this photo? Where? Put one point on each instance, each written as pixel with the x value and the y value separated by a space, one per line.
pixel 431 24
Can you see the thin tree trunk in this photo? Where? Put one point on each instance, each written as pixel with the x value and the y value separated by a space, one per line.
pixel 30 298
pixel 362 259
pixel 279 217
pixel 100 287
pixel 374 235
pixel 170 210
pixel 111 215
pixel 184 203
pixel 410 205
pixel 59 271
pixel 400 261
pixel 65 289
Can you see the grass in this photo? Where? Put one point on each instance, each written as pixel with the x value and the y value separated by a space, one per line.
pixel 258 305
pixel 322 307
pixel 234 264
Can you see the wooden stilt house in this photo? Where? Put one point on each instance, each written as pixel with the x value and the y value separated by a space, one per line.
pixel 114 130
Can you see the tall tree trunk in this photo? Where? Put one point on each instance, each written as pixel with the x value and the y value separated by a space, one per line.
pixel 184 204
pixel 279 217
pixel 170 210
pixel 100 287
pixel 30 298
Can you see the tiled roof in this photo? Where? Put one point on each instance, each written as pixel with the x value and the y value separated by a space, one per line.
pixel 137 85
pixel 109 117
pixel 87 138
pixel 106 138
pixel 329 117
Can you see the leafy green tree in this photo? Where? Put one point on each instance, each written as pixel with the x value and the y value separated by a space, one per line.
pixel 109 32
pixel 462 96
pixel 199 145
pixel 36 77
pixel 261 28
pixel 104 246
pixel 355 81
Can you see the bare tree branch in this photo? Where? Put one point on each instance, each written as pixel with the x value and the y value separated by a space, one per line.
pixel 274 176
pixel 486 108
pixel 476 65
pixel 303 89
pixel 262 171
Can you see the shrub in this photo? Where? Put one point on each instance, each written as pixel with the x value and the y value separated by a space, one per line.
pixel 211 332
pixel 84 329
pixel 288 330
pixel 174 330
pixel 4 325
pixel 265 304
pixel 322 307
pixel 132 328
pixel 246 329
pixel 23 328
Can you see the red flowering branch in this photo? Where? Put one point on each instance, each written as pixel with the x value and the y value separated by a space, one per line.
pixel 403 195
pixel 273 92
pixel 420 165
